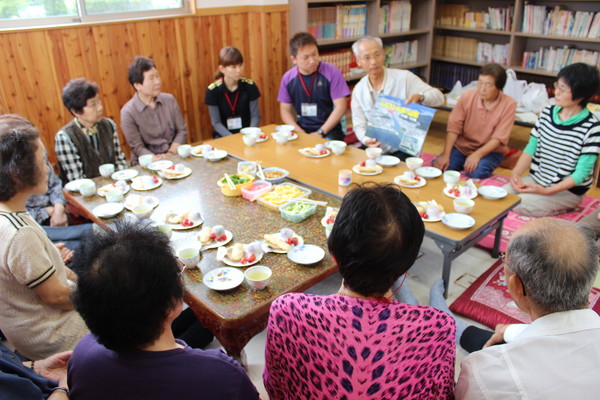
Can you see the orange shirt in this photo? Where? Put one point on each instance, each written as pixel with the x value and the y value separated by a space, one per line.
pixel 476 124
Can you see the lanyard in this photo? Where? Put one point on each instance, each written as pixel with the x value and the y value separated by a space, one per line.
pixel 312 83
pixel 234 105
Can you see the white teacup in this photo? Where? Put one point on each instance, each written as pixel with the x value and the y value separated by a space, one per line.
pixel 114 196
pixel 373 152
pixel 413 163
pixel 189 256
pixel 146 159
pixel 281 137
pixel 142 210
pixel 258 277
pixel 106 170
pixel 166 229
pixel 251 130
pixel 87 188
pixel 451 177
pixel 184 150
pixel 338 147
pixel 249 139
pixel 463 206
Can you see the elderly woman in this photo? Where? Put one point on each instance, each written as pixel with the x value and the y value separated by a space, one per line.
pixel 37 315
pixel 151 121
pixel 562 150
pixel 359 343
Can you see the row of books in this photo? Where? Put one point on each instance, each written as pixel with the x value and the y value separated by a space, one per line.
pixel 460 15
pixel 552 59
pixel 401 53
pixel 394 17
pixel 469 49
pixel 343 59
pixel 445 75
pixel 338 22
pixel 557 21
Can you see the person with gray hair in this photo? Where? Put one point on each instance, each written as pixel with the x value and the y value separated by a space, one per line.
pixel 550 266
pixel 403 84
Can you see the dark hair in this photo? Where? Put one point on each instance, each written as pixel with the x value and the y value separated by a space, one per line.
pixel 76 94
pixel 376 237
pixel 583 79
pixel 497 72
pixel 138 66
pixel 128 284
pixel 229 56
pixel 557 262
pixel 18 144
pixel 299 40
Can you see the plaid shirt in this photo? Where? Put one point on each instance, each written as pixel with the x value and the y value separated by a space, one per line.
pixel 68 156
pixel 37 203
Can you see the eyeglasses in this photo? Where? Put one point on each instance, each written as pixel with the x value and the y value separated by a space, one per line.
pixel 503 259
pixel 485 84
pixel 561 88
pixel 368 57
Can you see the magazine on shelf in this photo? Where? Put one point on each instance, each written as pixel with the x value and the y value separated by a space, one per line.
pixel 402 126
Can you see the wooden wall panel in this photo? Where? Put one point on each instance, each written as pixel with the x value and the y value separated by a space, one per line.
pixel 36 64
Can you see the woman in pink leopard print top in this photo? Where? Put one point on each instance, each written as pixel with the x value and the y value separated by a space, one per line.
pixel 359 344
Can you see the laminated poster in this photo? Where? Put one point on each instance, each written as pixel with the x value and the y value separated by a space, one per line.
pixel 401 126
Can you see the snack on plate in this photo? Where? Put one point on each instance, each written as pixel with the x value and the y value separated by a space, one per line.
pixel 185 219
pixel 144 182
pixel 275 242
pixel 330 215
pixel 467 189
pixel 282 194
pixel 121 185
pixel 134 200
pixel 208 234
pixel 429 209
pixel 244 254
pixel 367 167
pixel 409 178
pixel 174 171
pixel 318 150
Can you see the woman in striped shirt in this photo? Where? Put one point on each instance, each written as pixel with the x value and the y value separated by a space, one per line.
pixel 562 150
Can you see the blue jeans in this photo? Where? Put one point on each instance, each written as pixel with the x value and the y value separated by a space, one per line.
pixel 484 169
pixel 69 235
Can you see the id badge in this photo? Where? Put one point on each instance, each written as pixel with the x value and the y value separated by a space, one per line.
pixel 234 123
pixel 309 109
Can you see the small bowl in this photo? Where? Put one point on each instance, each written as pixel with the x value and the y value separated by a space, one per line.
pixel 106 170
pixel 281 137
pixel 184 150
pixel 277 180
pixel 338 147
pixel 166 229
pixel 189 256
pixel 255 189
pixel 413 163
pixel 87 188
pixel 215 155
pixel 142 211
pixel 145 160
pixel 237 191
pixel 258 277
pixel 373 152
pixel 311 209
pixel 463 206
pixel 249 139
pixel 247 167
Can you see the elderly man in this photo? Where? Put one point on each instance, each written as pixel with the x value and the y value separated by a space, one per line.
pixel 312 95
pixel 479 126
pixel 550 266
pixel 399 83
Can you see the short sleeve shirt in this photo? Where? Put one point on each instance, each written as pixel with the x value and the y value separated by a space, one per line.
pixel 328 85
pixel 218 95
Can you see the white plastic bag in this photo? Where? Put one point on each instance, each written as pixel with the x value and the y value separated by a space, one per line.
pixel 514 87
pixel 535 97
pixel 457 90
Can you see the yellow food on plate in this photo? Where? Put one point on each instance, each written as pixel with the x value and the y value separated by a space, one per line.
pixel 407 180
pixel 204 235
pixel 171 173
pixel 276 243
pixel 311 151
pixel 236 252
pixel 175 218
pixel 282 194
pixel 367 170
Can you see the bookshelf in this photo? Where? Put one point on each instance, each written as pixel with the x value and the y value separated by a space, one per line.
pixel 393 22
pixel 538 30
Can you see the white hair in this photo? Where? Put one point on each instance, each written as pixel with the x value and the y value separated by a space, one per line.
pixel 363 39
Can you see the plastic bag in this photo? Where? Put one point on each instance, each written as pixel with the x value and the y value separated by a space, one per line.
pixel 457 90
pixel 514 87
pixel 535 97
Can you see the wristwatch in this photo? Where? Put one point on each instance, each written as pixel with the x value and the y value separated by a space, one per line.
pixel 321 132
pixel 421 98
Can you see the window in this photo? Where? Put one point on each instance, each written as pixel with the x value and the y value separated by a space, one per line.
pixel 27 13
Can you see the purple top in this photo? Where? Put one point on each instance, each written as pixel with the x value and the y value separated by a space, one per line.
pixel 337 347
pixel 328 85
pixel 94 372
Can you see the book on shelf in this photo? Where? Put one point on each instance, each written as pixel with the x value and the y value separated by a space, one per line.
pixel 553 59
pixel 401 53
pixel 343 59
pixel 337 22
pixel 459 15
pixel 558 21
pixel 470 49
pixel 445 75
pixel 394 17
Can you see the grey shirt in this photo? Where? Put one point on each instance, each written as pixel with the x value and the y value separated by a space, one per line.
pixel 152 130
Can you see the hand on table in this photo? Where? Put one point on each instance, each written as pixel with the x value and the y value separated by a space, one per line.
pixel 497 337
pixel 65 253
pixel 442 162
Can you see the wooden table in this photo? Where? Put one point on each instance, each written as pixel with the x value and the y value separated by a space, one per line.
pixel 322 173
pixel 237 315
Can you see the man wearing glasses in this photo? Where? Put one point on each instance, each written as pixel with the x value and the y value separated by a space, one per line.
pixel 479 126
pixel 399 83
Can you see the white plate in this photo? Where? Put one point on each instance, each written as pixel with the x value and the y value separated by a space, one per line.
pixel 312 156
pixel 136 185
pixel 279 251
pixel 434 219
pixel 458 221
pixel 223 278
pixel 427 205
pixel 73 186
pixel 355 169
pixel 160 164
pixel 239 264
pixel 153 202
pixel 387 161
pixel 215 155
pixel 259 140
pixel 125 174
pixel 102 191
pixel 492 192
pixel 197 151
pixel 306 254
pixel 213 244
pixel 289 128
pixel 422 182
pixel 108 210
pixel 179 227
pixel 184 174
pixel 473 194
pixel 428 172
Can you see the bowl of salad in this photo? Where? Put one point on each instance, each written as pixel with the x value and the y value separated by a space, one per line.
pixel 297 211
pixel 238 180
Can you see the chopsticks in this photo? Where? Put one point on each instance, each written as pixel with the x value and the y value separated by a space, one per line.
pixel 229 182
pixel 260 173
pixel 310 201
